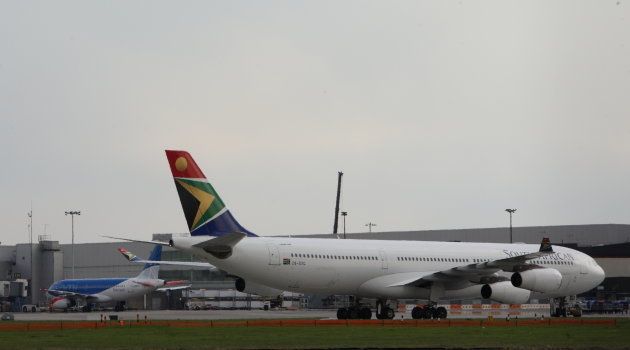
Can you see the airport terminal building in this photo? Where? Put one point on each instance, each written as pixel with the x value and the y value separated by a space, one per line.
pixel 46 261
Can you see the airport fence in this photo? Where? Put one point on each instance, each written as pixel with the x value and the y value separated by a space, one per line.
pixel 68 325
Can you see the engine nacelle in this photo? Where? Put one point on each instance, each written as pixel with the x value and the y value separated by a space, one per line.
pixel 539 280
pixel 255 288
pixel 505 292
pixel 60 303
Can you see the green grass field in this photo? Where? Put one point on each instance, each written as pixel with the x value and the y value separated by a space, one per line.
pixel 159 337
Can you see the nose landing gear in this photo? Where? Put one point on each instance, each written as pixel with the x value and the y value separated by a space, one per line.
pixel 559 307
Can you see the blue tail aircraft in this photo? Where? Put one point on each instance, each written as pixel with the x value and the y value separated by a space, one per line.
pixel 88 292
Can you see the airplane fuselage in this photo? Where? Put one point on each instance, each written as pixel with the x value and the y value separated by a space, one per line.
pixel 106 290
pixel 338 266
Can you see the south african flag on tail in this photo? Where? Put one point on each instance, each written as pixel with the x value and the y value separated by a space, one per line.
pixel 204 210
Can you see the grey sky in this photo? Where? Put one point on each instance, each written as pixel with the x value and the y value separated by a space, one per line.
pixel 441 113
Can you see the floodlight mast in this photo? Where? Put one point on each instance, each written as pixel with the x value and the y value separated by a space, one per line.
pixel 511 211
pixel 72 213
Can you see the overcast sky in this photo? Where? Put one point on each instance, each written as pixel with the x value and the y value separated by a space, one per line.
pixel 440 113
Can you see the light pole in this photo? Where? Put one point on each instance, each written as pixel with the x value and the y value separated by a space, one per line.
pixel 511 211
pixel 370 225
pixel 30 232
pixel 72 214
pixel 344 214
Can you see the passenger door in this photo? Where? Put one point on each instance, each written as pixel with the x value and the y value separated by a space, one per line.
pixel 274 254
pixel 383 258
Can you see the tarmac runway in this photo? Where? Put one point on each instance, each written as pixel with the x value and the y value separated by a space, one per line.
pixel 271 314
pixel 177 315
pixel 225 315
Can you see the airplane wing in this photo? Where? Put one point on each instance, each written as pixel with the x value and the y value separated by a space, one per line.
pixel 135 259
pixel 177 263
pixel 63 293
pixel 484 272
pixel 163 289
pixel 175 285
pixel 71 295
pixel 138 241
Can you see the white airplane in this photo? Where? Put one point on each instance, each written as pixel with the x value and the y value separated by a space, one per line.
pixel 239 283
pixel 90 291
pixel 384 270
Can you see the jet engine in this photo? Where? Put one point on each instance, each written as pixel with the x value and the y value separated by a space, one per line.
pixel 505 292
pixel 255 288
pixel 61 303
pixel 539 280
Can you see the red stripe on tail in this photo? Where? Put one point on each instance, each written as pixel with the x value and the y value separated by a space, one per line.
pixel 183 165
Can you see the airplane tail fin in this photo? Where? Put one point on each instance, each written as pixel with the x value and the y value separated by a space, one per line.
pixel 205 212
pixel 151 271
pixel 129 255
pixel 545 246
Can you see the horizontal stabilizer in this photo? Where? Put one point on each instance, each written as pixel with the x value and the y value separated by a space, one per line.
pixel 177 263
pixel 165 244
pixel 221 246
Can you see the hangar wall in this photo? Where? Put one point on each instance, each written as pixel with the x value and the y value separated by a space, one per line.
pixel 583 235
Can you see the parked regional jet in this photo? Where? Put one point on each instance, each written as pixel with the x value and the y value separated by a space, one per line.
pixel 91 291
pixel 239 283
pixel 384 270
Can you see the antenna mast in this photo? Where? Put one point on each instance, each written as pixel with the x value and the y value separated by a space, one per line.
pixel 339 176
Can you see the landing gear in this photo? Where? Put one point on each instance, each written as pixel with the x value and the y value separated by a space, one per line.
pixel 365 313
pixel 428 311
pixel 441 312
pixel 87 308
pixel 558 307
pixel 383 311
pixel 354 313
pixel 120 306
